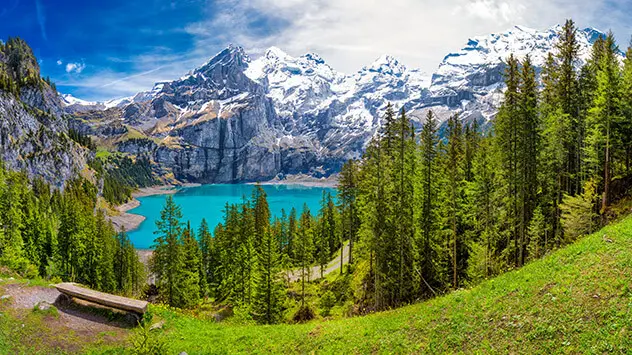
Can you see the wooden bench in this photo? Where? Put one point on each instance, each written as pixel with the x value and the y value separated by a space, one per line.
pixel 137 307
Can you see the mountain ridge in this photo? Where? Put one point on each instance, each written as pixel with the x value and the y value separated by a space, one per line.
pixel 307 116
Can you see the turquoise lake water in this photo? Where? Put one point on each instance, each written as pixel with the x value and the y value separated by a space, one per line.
pixel 208 201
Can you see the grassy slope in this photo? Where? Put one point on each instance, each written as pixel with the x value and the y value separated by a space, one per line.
pixel 577 300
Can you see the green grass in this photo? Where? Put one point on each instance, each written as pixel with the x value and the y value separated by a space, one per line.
pixel 576 300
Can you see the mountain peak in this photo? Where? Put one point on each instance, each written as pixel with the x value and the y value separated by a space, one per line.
pixel 314 58
pixel 231 55
pixel 387 64
pixel 275 53
pixel 526 29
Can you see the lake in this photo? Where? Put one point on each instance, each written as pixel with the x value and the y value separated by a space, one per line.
pixel 208 201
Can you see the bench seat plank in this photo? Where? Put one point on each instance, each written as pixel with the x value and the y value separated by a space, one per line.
pixel 102 298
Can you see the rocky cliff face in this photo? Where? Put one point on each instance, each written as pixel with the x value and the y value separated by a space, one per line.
pixel 33 129
pixel 237 119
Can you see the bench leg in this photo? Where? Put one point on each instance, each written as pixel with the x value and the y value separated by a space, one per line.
pixel 134 318
pixel 64 299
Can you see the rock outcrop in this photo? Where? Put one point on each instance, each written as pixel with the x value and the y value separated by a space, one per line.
pixel 33 128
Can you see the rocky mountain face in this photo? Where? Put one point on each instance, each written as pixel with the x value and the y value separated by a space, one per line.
pixel 33 127
pixel 237 119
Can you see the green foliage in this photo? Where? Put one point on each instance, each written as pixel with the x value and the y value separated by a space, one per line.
pixel 146 341
pixel 269 294
pixel 121 175
pixel 81 139
pixel 578 216
pixel 19 68
pixel 529 310
pixel 173 264
pixel 62 235
pixel 326 303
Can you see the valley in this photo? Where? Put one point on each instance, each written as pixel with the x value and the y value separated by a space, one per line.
pixel 268 203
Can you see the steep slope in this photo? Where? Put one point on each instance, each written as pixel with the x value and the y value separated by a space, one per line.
pixel 576 300
pixel 236 119
pixel 33 130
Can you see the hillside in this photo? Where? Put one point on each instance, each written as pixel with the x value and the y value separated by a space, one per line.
pixel 576 300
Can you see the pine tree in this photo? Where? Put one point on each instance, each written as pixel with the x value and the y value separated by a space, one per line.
pixel 323 234
pixel 168 260
pixel 261 214
pixel 551 156
pixel 292 232
pixel 603 117
pixel 567 101
pixel 626 101
pixel 268 290
pixel 304 248
pixel 191 280
pixel 251 225
pixel 428 188
pixel 209 257
pixel 404 167
pixel 11 245
pixel 389 128
pixel 347 195
pixel 454 201
pixel 507 128
pixel 528 145
pixel 578 216
pixel 485 205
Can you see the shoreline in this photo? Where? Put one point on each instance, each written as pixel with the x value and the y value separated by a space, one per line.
pixel 131 221
pixel 303 180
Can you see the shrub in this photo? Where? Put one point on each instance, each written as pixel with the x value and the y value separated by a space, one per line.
pixel 327 302
pixel 304 314
pixel 146 341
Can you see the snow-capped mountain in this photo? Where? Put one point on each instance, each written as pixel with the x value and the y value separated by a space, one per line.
pixel 472 78
pixel 235 119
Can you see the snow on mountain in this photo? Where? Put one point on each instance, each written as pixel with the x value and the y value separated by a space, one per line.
pixel 304 113
pixel 69 100
pixel 74 105
pixel 470 81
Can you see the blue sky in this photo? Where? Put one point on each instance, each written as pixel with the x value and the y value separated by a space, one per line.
pixel 112 48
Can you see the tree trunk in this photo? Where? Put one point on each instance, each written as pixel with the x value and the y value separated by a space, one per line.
pixel 606 188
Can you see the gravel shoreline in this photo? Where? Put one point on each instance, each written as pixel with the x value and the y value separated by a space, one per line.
pixel 131 221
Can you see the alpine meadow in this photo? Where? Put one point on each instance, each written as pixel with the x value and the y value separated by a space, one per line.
pixel 482 208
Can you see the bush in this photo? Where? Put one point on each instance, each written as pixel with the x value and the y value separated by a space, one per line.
pixel 304 314
pixel 327 302
pixel 26 269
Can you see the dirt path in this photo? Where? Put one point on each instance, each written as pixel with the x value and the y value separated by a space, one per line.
pixel 77 324
pixel 334 265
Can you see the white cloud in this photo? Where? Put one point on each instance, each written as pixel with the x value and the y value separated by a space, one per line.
pixel 59 62
pixel 74 67
pixel 349 34
pixel 352 33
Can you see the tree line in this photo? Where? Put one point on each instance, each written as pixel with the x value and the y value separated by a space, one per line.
pixel 438 214
pixel 121 175
pixel 62 235
pixel 242 262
